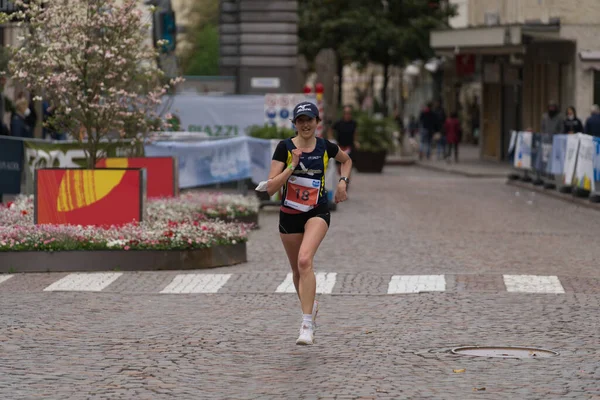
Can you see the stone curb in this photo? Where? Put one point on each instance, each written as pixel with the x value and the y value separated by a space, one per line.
pixel 461 173
pixel 557 195
pixel 400 162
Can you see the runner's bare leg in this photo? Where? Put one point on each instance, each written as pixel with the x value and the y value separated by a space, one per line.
pixel 314 232
pixel 292 243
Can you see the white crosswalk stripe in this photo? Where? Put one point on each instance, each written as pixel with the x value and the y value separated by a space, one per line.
pixel 85 282
pixel 416 284
pixel 325 283
pixel 533 284
pixel 197 283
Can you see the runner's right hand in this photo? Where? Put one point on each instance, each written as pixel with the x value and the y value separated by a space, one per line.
pixel 296 153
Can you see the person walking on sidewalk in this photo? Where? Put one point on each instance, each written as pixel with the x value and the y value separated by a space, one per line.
pixel 440 134
pixel 299 165
pixel 552 121
pixel 453 134
pixel 428 125
pixel 572 124
pixel 592 124
pixel 343 132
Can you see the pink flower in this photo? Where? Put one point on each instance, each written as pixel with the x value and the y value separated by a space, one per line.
pixel 126 248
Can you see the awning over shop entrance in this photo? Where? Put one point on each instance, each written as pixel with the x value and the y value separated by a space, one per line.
pixel 590 59
pixel 490 40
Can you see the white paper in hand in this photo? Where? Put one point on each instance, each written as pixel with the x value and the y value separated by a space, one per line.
pixel 262 187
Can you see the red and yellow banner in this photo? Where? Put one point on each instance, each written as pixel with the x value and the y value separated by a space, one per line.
pixel 89 197
pixel 161 173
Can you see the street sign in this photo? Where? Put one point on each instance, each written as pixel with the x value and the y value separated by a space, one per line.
pixel 265 83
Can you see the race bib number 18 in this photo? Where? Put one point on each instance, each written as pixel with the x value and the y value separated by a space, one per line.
pixel 302 193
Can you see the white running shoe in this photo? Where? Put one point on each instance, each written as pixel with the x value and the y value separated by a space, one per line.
pixel 315 311
pixel 307 336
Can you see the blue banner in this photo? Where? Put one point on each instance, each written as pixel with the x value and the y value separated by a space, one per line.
pixel 559 150
pixel 11 165
pixel 261 153
pixel 597 164
pixel 207 162
pixel 536 152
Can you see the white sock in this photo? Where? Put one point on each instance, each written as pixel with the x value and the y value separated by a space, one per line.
pixel 307 319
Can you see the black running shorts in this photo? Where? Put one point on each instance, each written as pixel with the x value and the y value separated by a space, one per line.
pixel 294 223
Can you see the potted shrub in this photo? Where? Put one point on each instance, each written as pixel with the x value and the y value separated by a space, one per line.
pixel 376 140
pixel 270 132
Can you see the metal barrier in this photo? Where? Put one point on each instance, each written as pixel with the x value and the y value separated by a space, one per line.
pixel 568 163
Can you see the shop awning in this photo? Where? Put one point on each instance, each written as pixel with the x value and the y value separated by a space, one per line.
pixel 590 59
pixel 476 38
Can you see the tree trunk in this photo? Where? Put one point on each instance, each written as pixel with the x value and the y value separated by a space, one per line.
pixel 340 76
pixel 384 94
pixel 401 89
pixel 90 148
pixel 91 156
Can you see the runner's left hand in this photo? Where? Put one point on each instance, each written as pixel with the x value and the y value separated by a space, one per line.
pixel 340 194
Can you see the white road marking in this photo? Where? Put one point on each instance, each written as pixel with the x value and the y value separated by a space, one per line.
pixel 85 282
pixel 197 283
pixel 533 284
pixel 416 284
pixel 4 278
pixel 325 283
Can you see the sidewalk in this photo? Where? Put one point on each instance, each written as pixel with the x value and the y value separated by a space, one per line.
pixel 470 164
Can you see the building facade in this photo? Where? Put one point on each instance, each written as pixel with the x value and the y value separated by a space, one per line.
pixel 259 45
pixel 523 54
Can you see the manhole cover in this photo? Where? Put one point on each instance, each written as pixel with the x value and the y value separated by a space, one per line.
pixel 504 352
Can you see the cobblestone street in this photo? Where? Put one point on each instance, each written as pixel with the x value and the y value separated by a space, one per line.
pixel 415 263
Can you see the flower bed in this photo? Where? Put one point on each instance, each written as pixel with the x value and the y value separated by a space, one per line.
pixel 172 224
pixel 203 205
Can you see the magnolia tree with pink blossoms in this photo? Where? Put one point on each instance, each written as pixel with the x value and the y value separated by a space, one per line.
pixel 93 61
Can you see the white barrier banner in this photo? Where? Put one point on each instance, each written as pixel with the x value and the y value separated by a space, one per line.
pixel 261 154
pixel 571 158
pixel 513 141
pixel 523 150
pixel 584 170
pixel 559 150
pixel 207 162
pixel 218 116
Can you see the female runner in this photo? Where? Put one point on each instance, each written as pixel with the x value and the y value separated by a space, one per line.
pixel 299 166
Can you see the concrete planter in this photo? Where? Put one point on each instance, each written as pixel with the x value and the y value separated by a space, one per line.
pixel 121 260
pixel 369 162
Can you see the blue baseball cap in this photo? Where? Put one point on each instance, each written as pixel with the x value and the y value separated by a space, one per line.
pixel 305 108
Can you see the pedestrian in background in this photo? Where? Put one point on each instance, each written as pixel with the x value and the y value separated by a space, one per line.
pixel 592 124
pixel 344 132
pixel 440 134
pixel 552 121
pixel 453 135
pixel 428 125
pixel 413 126
pixel 18 123
pixel 572 124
